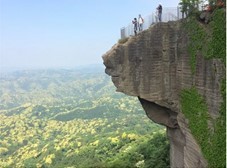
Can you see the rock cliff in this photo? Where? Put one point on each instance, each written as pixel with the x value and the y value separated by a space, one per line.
pixel 155 67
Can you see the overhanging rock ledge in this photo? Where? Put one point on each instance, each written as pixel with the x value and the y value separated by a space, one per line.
pixel 155 66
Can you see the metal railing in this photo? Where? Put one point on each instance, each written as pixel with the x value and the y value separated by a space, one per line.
pixel 168 14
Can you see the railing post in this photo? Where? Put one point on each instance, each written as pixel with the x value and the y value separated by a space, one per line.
pixel 123 33
pixel 178 12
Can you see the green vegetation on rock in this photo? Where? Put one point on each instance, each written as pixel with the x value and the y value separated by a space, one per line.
pixel 197 37
pixel 212 142
pixel 210 41
pixel 217 43
pixel 206 39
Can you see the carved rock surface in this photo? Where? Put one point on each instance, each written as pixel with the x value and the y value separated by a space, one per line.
pixel 155 67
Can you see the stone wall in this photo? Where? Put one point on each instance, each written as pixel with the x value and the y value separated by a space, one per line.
pixel 155 67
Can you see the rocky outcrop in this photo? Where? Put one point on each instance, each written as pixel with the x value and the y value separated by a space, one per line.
pixel 155 67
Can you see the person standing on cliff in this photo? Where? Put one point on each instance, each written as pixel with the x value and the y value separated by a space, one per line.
pixel 135 23
pixel 141 21
pixel 159 8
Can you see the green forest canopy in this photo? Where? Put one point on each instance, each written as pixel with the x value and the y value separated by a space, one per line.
pixel 74 118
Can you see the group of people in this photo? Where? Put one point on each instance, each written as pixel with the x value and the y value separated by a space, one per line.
pixel 138 24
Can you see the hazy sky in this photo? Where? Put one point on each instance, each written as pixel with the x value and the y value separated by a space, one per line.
pixel 65 33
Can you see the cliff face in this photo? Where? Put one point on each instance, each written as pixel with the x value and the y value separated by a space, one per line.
pixel 155 67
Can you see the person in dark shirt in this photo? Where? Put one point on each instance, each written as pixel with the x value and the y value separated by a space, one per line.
pixel 135 25
pixel 159 8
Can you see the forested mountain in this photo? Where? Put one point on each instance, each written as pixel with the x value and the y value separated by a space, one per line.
pixel 74 118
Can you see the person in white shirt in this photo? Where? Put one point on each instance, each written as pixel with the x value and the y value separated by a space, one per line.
pixel 140 23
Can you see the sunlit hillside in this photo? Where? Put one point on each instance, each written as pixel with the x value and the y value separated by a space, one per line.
pixel 74 118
